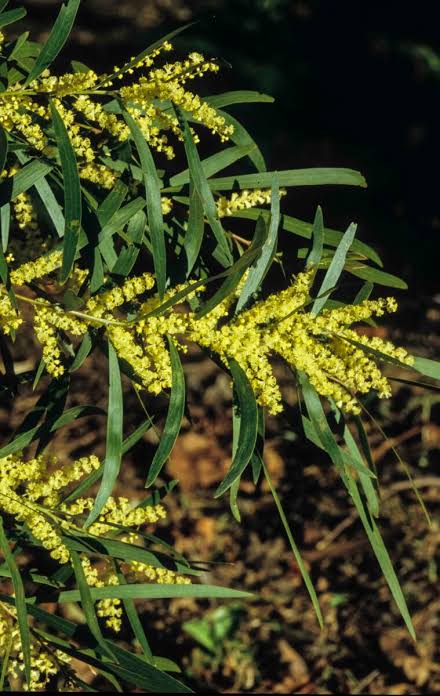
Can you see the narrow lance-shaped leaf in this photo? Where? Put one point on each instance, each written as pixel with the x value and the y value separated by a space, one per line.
pixel 327 439
pixel 159 591
pixel 305 230
pixel 215 163
pixel 113 453
pixel 248 412
pixel 245 96
pixel 12 16
pixel 84 594
pixel 335 269
pixel 195 227
pixel 313 176
pixel 23 180
pixel 302 568
pixel 318 240
pixel 233 278
pixel 174 417
pixel 3 148
pixel 260 268
pixel 20 602
pixel 56 40
pixel 72 194
pixel 222 252
pixel 154 207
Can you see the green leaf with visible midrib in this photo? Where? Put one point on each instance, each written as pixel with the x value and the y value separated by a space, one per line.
pixel 72 194
pixel 85 596
pixel 154 207
pixel 215 163
pixel 113 452
pixel 305 229
pixel 20 602
pixel 261 266
pixel 245 96
pixel 174 417
pixel 315 255
pixel 335 269
pixel 375 275
pixel 291 177
pixel 222 252
pixel 12 16
pixel 325 435
pixel 248 427
pixel 23 180
pixel 25 438
pixel 153 591
pixel 56 40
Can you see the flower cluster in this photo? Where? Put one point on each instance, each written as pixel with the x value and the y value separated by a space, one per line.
pixel 32 492
pixel 243 200
pixel 45 664
pixel 325 347
pixel 85 102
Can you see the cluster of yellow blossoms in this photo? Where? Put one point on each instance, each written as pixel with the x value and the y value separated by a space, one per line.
pixel 325 347
pixel 44 664
pixel 243 200
pixel 86 103
pixel 32 492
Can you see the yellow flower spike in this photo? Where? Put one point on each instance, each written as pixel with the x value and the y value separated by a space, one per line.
pixel 244 200
pixel 34 270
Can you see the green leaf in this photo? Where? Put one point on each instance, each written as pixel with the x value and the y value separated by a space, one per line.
pixel 12 16
pixel 48 199
pixel 375 275
pixel 261 266
pixel 233 278
pixel 222 252
pixel 23 439
pixel 240 136
pixel 290 177
pixel 5 224
pixel 82 352
pixel 128 256
pixel 154 208
pixel 364 480
pixel 23 180
pixel 20 602
pixel 327 439
pixel 303 570
pixel 430 368
pixel 113 452
pixel 305 230
pixel 318 240
pixel 135 622
pixel 72 194
pixel 244 96
pixel 156 591
pixel 215 163
pixel 174 417
pixel 85 596
pixel 56 40
pixel 195 229
pixel 335 269
pixel 364 293
pixel 125 552
pixel 3 148
pixel 248 414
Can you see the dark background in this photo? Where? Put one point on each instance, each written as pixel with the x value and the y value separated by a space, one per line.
pixel 356 84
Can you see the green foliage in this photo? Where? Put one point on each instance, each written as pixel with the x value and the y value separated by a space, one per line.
pixel 81 159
